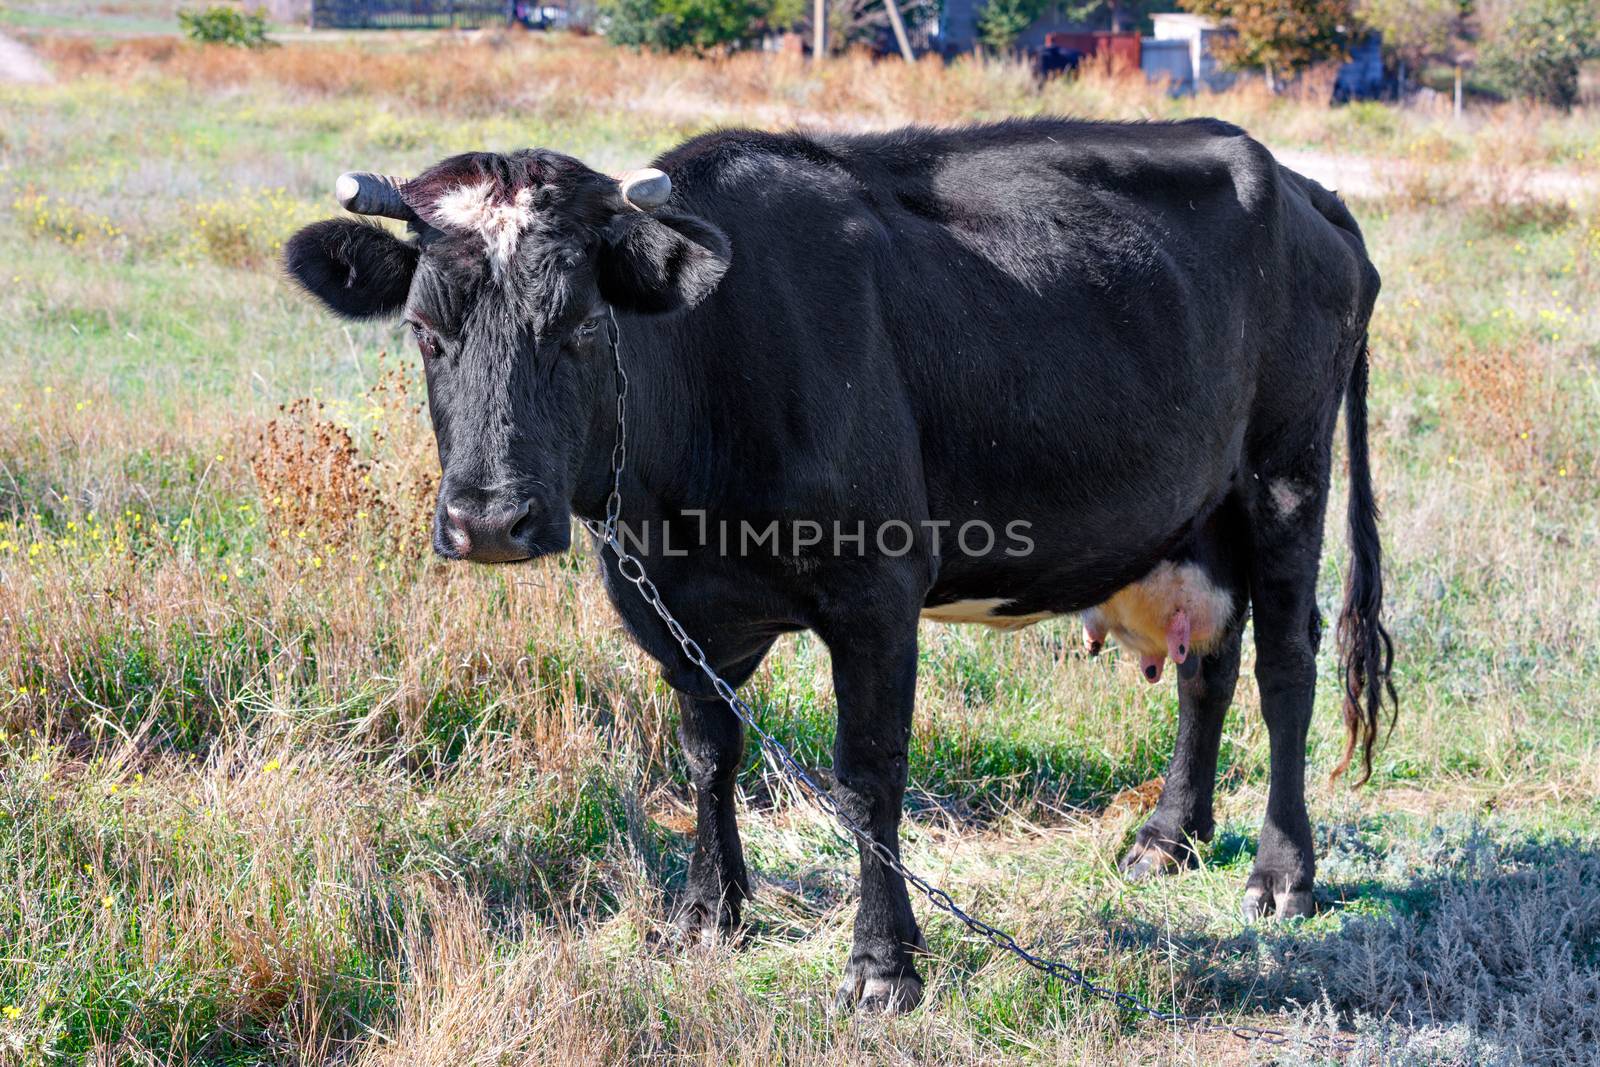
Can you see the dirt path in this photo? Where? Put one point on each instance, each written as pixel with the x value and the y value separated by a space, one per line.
pixel 18 64
pixel 1364 177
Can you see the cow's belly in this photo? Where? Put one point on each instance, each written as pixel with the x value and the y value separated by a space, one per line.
pixel 987 612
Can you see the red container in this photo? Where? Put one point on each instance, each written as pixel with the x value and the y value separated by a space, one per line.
pixel 1121 48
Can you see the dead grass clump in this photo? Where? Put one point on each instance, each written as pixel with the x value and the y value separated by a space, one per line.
pixel 446 73
pixel 1507 201
pixel 1510 405
pixel 1314 86
pixel 312 477
pixel 73 56
pixel 317 483
pixel 1504 210
pixel 1414 185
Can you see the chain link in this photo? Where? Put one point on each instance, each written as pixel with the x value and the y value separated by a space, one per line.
pixel 632 569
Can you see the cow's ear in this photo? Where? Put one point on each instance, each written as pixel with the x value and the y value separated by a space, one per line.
pixel 358 269
pixel 656 262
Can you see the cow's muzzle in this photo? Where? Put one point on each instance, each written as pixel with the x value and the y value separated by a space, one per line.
pixel 491 533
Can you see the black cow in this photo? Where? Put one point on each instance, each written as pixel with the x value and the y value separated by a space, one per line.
pixel 1090 340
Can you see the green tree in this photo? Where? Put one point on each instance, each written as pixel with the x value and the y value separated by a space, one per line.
pixel 1001 22
pixel 1534 48
pixel 698 26
pixel 853 22
pixel 1111 14
pixel 1415 31
pixel 1278 36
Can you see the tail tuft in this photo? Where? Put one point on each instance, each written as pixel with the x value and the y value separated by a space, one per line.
pixel 1366 653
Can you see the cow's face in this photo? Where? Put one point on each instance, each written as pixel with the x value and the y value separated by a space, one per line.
pixel 506 284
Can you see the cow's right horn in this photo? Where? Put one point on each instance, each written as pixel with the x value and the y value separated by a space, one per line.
pixel 645 189
pixel 366 193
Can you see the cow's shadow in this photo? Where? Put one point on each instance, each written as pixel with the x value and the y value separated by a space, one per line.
pixel 1487 950
pixel 1491 947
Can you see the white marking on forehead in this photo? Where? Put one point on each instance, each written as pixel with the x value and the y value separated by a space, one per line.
pixel 499 223
pixel 985 612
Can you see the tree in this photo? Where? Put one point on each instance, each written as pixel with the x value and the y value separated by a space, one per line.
pixel 857 22
pixel 1111 14
pixel 1414 31
pixel 1000 22
pixel 1534 48
pixel 684 25
pixel 1278 36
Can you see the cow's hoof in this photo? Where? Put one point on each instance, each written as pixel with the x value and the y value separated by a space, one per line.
pixel 699 923
pixel 1154 853
pixel 879 996
pixel 1266 895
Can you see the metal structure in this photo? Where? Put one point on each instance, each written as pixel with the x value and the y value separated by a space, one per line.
pixel 408 14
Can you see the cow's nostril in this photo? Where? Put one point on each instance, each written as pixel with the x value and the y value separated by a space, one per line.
pixel 521 522
pixel 489 534
pixel 460 537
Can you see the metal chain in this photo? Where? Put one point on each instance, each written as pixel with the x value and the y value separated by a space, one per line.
pixel 630 567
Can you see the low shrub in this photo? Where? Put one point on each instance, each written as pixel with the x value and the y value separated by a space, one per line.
pixel 225 25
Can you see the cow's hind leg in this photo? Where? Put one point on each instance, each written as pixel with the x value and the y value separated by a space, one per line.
pixel 1286 547
pixel 713 744
pixel 874 675
pixel 1165 843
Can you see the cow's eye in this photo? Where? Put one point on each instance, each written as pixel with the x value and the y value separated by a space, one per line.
pixel 589 328
pixel 426 344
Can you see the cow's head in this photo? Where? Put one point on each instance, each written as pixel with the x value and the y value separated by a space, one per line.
pixel 512 264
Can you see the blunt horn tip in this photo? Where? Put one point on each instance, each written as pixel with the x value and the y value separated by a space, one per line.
pixel 645 189
pixel 365 193
pixel 346 189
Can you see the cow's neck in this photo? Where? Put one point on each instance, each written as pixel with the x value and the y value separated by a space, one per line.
pixel 667 423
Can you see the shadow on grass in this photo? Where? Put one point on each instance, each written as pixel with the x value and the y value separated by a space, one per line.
pixel 965 779
pixel 1500 940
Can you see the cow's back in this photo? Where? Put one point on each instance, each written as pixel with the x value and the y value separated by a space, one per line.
pixel 1041 319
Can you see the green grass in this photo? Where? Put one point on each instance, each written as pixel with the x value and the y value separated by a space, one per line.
pixel 283 792
pixel 90 16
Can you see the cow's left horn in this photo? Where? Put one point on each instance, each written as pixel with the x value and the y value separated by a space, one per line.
pixel 372 194
pixel 645 189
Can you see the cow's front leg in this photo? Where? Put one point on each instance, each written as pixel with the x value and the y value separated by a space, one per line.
pixel 874 677
pixel 1183 815
pixel 713 745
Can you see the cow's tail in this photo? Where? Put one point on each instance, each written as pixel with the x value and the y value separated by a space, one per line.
pixel 1366 654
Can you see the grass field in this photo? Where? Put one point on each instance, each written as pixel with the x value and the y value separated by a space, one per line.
pixel 277 787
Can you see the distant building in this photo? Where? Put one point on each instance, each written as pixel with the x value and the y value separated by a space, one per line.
pixel 409 14
pixel 1180 50
pixel 1363 78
